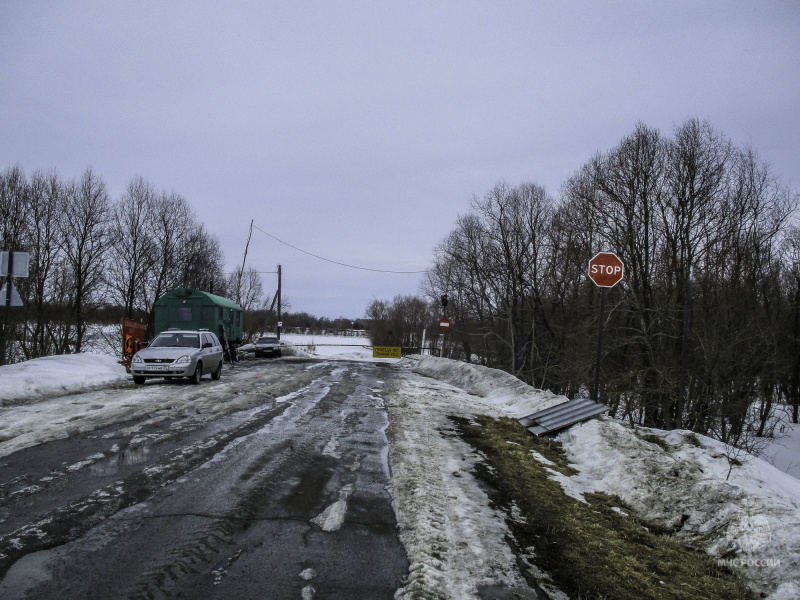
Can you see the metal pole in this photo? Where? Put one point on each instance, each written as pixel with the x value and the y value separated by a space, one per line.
pixel 684 351
pixel 599 345
pixel 7 300
pixel 241 271
pixel 279 303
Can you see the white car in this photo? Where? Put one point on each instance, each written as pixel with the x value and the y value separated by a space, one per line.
pixel 178 353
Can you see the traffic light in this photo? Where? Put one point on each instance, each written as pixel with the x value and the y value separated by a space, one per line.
pixel 444 300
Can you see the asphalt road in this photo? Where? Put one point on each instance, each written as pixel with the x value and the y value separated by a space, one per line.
pixel 269 483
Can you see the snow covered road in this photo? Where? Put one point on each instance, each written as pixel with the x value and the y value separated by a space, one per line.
pixel 274 481
pixel 269 482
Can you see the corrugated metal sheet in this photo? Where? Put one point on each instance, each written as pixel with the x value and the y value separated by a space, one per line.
pixel 562 416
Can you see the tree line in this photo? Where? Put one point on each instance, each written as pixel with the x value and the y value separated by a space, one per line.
pixel 89 252
pixel 693 203
pixel 94 259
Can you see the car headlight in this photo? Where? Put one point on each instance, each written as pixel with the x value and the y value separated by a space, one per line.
pixel 137 359
pixel 184 360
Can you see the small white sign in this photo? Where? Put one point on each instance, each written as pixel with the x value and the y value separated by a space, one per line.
pixel 280 323
pixel 15 299
pixel 20 268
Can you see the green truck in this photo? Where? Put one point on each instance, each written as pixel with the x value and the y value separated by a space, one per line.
pixel 187 308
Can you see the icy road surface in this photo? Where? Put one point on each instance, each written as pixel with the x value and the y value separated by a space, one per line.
pixel 274 482
pixel 270 483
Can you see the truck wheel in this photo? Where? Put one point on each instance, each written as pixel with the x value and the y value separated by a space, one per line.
pixel 218 373
pixel 198 373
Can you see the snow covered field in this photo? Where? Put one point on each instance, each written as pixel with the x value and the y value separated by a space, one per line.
pixel 329 346
pixel 454 540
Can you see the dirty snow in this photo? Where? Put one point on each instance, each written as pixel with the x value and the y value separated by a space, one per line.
pixel 751 519
pixel 679 481
pixel 492 387
pixel 332 518
pixel 57 375
pixel 454 540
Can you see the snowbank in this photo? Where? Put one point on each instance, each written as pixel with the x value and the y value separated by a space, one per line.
pixel 498 389
pixel 674 479
pixel 34 379
pixel 784 450
pixel 677 480
pixel 454 539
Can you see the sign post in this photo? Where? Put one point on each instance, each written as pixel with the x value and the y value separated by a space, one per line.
pixel 12 264
pixel 444 327
pixel 606 270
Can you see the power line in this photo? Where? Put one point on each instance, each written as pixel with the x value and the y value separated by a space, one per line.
pixel 336 262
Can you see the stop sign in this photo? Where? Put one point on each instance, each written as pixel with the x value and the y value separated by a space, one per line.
pixel 606 269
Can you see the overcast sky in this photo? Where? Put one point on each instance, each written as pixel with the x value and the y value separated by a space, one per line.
pixel 359 131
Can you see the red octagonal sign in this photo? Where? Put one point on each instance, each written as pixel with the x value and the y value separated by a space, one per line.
pixel 606 269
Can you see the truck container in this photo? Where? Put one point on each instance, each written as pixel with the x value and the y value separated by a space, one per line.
pixel 187 308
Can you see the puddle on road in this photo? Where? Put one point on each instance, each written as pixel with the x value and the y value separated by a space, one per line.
pixel 132 455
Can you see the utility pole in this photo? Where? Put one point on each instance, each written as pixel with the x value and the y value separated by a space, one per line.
pixel 7 301
pixel 241 271
pixel 280 323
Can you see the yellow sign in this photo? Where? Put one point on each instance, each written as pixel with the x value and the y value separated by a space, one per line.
pixel 386 352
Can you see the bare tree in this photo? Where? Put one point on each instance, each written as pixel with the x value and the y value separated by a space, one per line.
pixel 202 262
pixel 400 322
pixel 494 266
pixel 132 254
pixel 790 329
pixel 84 238
pixel 171 223
pixel 251 288
pixel 48 203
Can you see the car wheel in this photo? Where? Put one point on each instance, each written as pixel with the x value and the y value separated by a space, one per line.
pixel 198 373
pixel 138 380
pixel 218 373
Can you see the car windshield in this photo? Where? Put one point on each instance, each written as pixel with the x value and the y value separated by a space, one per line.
pixel 267 340
pixel 176 340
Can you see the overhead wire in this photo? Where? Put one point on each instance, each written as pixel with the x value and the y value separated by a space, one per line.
pixel 336 262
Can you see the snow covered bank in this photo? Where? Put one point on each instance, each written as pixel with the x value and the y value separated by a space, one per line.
pixel 50 376
pixel 677 480
pixel 496 389
pixel 784 450
pixel 454 539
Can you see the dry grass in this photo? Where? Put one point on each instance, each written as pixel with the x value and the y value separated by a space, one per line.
pixel 589 550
